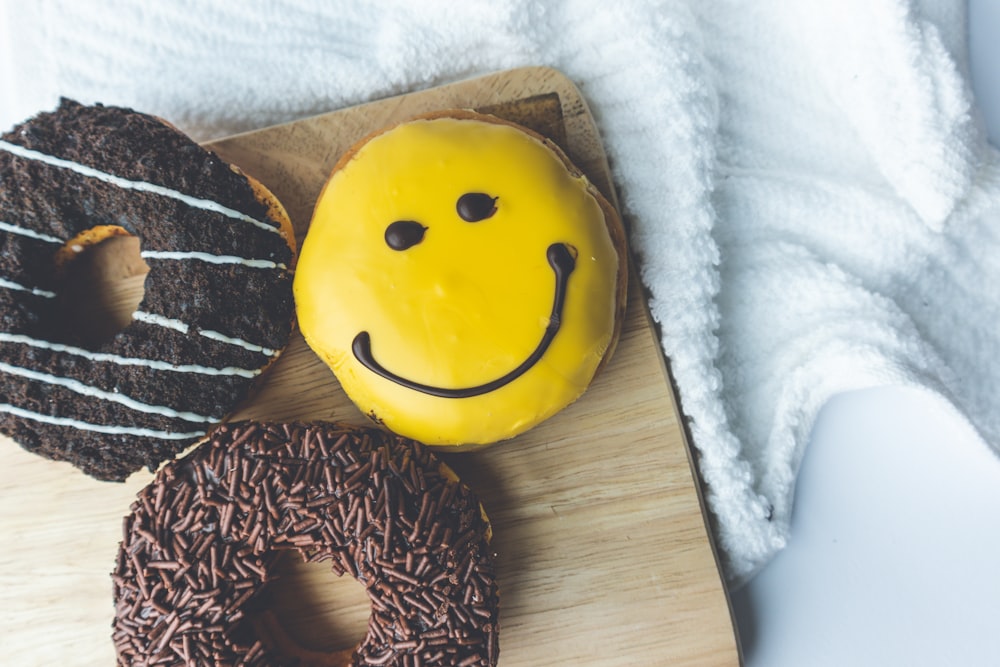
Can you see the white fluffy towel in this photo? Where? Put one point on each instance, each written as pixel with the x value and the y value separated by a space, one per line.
pixel 814 204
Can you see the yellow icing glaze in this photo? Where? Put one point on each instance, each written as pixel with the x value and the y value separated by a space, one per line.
pixel 470 301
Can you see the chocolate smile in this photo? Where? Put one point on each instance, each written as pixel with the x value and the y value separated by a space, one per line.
pixel 562 262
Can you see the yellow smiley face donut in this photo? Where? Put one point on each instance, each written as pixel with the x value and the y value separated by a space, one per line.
pixel 461 278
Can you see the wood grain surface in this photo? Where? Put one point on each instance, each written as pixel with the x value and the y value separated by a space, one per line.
pixel 602 548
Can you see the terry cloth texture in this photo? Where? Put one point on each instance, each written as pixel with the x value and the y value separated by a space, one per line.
pixel 813 202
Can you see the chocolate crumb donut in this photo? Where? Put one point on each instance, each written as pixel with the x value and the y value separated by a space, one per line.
pixel 204 537
pixel 216 310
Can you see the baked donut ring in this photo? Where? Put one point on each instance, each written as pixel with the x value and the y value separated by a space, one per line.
pixel 217 307
pixel 462 278
pixel 203 539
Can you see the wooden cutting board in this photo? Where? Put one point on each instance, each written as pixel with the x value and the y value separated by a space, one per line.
pixel 603 553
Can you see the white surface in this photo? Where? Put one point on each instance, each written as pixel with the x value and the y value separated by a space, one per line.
pixel 893 555
pixel 894 550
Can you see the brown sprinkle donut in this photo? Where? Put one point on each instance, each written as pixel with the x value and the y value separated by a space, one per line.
pixel 203 539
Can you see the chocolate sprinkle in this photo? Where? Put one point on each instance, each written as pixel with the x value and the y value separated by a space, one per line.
pixel 203 540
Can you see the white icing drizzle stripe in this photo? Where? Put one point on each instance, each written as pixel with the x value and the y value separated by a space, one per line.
pixel 154 364
pixel 211 259
pixel 97 428
pixel 177 325
pixel 159 320
pixel 94 392
pixel 141 186
pixel 24 231
pixel 9 284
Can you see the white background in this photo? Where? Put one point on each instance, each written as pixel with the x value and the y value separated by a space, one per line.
pixel 894 557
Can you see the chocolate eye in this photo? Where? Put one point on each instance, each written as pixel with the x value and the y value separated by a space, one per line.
pixel 404 234
pixel 476 206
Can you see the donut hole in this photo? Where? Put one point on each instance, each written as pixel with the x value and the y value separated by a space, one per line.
pixel 312 612
pixel 100 284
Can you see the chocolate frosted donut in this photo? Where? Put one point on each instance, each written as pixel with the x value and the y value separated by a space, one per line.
pixel 216 310
pixel 203 540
